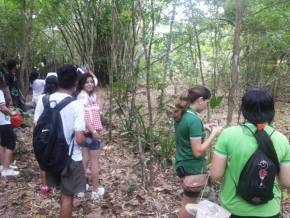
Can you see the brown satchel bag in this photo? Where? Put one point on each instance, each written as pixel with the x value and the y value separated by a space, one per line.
pixel 194 183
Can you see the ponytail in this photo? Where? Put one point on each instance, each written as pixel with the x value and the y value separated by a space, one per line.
pixel 187 98
pixel 258 108
pixel 265 144
pixel 181 106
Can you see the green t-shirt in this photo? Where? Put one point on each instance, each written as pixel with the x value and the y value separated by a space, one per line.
pixel 189 127
pixel 237 143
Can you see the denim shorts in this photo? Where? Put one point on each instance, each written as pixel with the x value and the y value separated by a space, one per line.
pixel 91 143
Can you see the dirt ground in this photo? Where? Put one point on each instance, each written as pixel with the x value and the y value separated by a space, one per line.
pixel 120 175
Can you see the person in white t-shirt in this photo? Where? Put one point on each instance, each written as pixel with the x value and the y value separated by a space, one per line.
pixel 7 135
pixel 73 122
pixel 91 151
pixel 50 87
pixel 37 86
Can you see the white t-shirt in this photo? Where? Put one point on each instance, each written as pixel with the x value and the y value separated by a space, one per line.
pixel 85 98
pixel 73 119
pixel 4 119
pixel 37 89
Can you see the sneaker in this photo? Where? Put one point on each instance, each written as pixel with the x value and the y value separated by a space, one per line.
pixel 98 193
pixel 9 172
pixel 82 194
pixel 13 167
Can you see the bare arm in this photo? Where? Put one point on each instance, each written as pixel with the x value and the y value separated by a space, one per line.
pixel 284 175
pixel 199 148
pixel 6 110
pixel 80 138
pixel 218 166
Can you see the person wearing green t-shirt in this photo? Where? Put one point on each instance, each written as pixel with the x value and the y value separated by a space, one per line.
pixel 236 145
pixel 190 139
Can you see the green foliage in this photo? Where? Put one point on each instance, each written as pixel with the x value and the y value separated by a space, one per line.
pixel 166 140
pixel 131 187
pixel 144 130
pixel 215 101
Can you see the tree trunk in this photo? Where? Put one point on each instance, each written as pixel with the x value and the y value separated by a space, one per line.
pixel 134 72
pixel 26 26
pixel 199 55
pixel 147 53
pixel 235 61
pixel 113 66
pixel 168 49
pixel 148 90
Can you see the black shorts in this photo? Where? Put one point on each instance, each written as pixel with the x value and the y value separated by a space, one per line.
pixel 71 180
pixel 7 137
pixel 276 216
pixel 180 171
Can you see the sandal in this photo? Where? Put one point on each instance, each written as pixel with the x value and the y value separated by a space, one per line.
pixel 44 189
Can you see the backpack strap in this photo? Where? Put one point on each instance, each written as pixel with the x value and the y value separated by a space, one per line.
pixel 64 102
pixel 244 125
pixel 73 145
pixel 45 101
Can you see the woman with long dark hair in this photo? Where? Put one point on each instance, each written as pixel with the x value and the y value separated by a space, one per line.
pixel 190 139
pixel 235 148
pixel 87 94
pixel 37 86
pixel 50 87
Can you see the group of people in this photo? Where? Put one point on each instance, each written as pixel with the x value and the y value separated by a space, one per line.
pixel 80 119
pixel 236 149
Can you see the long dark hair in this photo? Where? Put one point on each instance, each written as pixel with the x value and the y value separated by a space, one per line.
pixel 187 98
pixel 82 82
pixel 33 76
pixel 51 85
pixel 258 108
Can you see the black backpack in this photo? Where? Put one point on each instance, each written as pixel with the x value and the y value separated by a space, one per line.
pixel 257 178
pixel 50 147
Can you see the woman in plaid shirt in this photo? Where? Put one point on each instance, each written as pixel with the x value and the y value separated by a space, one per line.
pixel 87 94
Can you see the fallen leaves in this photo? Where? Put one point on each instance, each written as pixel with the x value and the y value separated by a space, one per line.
pixel 120 174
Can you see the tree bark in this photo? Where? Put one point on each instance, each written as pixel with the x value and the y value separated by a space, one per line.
pixel 113 66
pixel 134 72
pixel 235 61
pixel 147 53
pixel 26 26
pixel 199 55
pixel 168 49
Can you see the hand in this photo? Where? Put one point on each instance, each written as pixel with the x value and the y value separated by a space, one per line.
pixel 13 113
pixel 209 126
pixel 216 131
pixel 96 135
